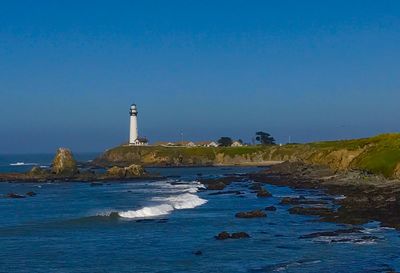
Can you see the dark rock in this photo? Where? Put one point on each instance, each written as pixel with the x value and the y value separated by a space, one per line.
pixel 251 214
pixel 316 211
pixel 31 193
pixel 219 183
pixel 300 201
pixel 95 184
pixel 240 235
pixel 198 253
pixel 236 235
pixel 263 193
pixel 225 192
pixel 223 236
pixel 331 233
pixel 14 195
pixel 255 187
pixel 270 208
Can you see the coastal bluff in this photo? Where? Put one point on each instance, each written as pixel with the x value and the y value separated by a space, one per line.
pixel 378 155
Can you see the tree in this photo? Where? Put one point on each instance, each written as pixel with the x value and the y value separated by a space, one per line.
pixel 265 138
pixel 225 141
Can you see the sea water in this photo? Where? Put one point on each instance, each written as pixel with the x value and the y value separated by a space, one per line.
pixel 160 226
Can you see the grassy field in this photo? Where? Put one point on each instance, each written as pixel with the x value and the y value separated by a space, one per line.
pixel 378 155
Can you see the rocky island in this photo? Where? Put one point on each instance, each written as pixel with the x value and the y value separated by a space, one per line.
pixel 65 168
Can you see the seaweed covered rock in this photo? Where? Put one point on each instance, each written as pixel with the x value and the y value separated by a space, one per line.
pixel 64 163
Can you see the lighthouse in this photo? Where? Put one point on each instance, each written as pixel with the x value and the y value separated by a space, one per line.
pixel 134 138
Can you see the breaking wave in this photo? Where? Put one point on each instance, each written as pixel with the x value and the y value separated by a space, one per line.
pixel 22 164
pixel 166 206
pixel 177 195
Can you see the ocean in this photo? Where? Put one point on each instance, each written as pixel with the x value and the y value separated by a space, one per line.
pixel 169 224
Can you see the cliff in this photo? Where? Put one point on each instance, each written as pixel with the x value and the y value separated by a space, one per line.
pixel 378 155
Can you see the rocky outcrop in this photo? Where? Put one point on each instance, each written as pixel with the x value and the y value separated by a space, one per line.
pixel 64 163
pixel 251 214
pixel 126 172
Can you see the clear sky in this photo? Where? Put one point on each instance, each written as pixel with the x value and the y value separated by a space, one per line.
pixel 312 70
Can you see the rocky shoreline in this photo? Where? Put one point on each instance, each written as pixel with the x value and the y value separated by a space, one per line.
pixel 356 197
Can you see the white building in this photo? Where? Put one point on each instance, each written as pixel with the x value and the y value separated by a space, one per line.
pixel 134 138
pixel 237 144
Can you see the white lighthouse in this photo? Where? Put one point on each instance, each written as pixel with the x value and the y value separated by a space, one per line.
pixel 134 138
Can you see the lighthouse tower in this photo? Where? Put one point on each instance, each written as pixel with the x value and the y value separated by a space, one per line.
pixel 133 133
pixel 134 138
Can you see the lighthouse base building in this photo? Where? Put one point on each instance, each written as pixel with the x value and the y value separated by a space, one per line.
pixel 134 139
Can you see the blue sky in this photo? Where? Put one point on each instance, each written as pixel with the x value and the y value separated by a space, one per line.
pixel 312 70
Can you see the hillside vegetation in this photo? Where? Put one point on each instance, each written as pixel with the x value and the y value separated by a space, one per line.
pixel 378 155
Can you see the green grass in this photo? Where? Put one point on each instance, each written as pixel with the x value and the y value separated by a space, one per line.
pixel 379 154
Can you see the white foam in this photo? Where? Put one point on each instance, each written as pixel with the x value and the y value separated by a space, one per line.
pixel 182 201
pixel 22 164
pixel 168 204
pixel 147 212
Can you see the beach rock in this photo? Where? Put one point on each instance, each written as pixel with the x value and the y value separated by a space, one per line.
pixel 251 214
pixel 64 163
pixel 223 236
pixel 31 193
pixel 263 193
pixel 270 208
pixel 14 195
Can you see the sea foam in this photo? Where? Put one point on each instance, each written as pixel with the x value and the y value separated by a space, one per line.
pixel 186 199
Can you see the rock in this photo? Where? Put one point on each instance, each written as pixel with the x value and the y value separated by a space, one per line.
pixel 37 171
pixel 236 235
pixel 64 163
pixel 96 184
pixel 240 235
pixel 126 172
pixel 31 193
pixel 223 236
pixel 251 214
pixel 14 195
pixel 270 208
pixel 198 253
pixel 331 233
pixel 226 192
pixel 116 171
pixel 263 193
pixel 134 170
pixel 255 187
pixel 311 211
pixel 219 183
pixel 300 201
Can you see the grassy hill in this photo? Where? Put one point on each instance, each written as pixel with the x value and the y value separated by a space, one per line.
pixel 378 155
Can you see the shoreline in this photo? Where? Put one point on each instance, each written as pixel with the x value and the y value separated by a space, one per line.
pixel 366 197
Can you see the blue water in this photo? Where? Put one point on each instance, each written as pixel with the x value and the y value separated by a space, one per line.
pixel 71 227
